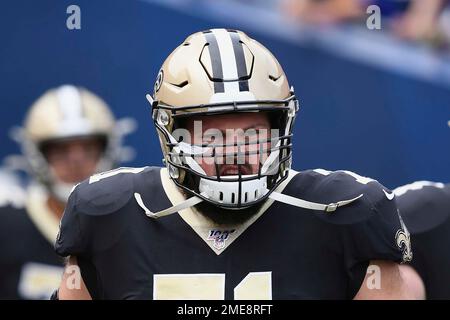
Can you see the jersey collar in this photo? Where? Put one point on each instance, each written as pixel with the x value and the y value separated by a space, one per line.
pixel 217 237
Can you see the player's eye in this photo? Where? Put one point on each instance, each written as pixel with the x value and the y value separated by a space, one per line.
pixel 209 139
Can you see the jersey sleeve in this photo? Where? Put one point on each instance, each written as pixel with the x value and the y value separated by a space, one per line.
pixel 381 236
pixel 94 217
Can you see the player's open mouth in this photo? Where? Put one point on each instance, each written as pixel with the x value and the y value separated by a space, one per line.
pixel 232 170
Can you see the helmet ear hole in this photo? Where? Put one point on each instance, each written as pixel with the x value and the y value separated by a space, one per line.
pixel 163 118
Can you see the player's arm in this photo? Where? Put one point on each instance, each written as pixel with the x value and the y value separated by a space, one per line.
pixel 80 231
pixel 413 281
pixel 388 280
pixel 72 286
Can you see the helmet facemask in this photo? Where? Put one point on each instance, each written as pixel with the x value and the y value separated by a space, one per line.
pixel 243 189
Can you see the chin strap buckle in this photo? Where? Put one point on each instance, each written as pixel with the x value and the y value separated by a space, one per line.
pixel 331 207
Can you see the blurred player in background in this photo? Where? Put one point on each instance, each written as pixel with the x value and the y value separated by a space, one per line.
pixel 414 20
pixel 69 133
pixel 425 207
pixel 226 218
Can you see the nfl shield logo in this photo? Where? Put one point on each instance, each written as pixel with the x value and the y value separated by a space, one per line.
pixel 219 237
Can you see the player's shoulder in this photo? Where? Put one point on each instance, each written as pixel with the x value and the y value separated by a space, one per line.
pixel 11 216
pixel 424 205
pixel 367 228
pixel 324 186
pixel 342 184
pixel 108 195
pixel 421 191
pixel 109 191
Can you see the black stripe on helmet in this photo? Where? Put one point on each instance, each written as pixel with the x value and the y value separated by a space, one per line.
pixel 216 61
pixel 240 60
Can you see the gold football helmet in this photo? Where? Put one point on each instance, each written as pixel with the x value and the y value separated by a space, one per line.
pixel 215 72
pixel 69 112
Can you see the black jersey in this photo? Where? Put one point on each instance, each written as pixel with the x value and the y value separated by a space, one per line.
pixel 29 267
pixel 425 207
pixel 283 252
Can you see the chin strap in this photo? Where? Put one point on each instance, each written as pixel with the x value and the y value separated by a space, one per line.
pixel 276 196
pixel 181 206
pixel 284 198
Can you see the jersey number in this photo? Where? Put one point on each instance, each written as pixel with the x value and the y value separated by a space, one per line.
pixel 207 286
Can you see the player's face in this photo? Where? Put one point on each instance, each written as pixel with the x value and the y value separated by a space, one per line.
pixel 75 160
pixel 252 128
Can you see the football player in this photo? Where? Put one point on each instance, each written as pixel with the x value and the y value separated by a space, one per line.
pixel 425 207
pixel 68 135
pixel 227 218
